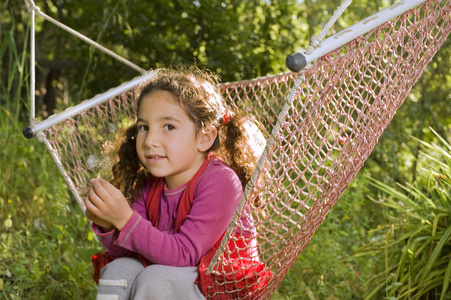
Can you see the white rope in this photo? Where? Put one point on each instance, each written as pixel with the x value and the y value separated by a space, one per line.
pixel 316 40
pixel 41 138
pixel 250 185
pixel 37 10
pixel 32 65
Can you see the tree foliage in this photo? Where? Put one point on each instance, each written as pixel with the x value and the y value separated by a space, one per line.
pixel 236 39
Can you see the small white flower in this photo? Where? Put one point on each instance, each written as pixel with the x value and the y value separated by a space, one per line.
pixel 93 163
pixel 37 224
pixel 8 223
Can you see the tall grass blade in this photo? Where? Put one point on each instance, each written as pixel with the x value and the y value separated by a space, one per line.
pixel 393 192
pixel 446 281
pixel 442 140
pixel 435 254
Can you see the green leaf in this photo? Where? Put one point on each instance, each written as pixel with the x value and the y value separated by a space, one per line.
pixel 446 281
pixel 435 254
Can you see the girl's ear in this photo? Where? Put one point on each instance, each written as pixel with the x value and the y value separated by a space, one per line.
pixel 207 138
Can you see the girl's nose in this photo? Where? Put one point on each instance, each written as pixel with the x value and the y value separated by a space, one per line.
pixel 152 139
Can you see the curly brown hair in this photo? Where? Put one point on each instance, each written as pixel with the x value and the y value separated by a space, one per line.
pixel 239 142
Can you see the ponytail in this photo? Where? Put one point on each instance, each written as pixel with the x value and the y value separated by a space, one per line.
pixel 242 145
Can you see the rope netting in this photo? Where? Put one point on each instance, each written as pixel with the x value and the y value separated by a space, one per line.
pixel 345 101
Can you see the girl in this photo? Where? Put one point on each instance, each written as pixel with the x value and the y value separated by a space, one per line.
pixel 172 197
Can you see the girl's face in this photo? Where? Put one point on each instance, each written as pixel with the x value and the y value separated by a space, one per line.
pixel 167 143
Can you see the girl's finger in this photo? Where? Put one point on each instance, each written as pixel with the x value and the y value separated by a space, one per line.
pixel 89 206
pixel 85 191
pixel 89 214
pixel 93 201
pixel 97 186
pixel 108 187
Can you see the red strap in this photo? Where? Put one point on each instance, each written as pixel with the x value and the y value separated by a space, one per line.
pixel 153 200
pixel 154 197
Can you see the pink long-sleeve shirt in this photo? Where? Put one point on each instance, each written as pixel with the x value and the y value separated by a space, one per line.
pixel 216 197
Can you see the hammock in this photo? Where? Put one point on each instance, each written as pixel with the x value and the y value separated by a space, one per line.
pixel 323 123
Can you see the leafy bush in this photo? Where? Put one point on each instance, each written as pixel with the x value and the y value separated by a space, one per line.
pixel 416 243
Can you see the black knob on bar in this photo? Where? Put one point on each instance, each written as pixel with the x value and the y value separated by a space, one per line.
pixel 28 132
pixel 296 62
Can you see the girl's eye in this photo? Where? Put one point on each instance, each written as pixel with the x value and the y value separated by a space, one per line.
pixel 169 127
pixel 142 128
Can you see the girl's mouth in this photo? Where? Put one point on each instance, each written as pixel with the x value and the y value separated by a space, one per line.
pixel 155 158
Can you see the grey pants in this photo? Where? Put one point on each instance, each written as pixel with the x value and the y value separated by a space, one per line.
pixel 126 278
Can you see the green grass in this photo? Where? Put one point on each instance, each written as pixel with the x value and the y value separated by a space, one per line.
pixel 45 243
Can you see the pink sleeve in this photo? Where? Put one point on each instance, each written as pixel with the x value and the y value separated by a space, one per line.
pixel 217 194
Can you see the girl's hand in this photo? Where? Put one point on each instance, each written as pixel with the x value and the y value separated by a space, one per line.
pixel 107 226
pixel 107 203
